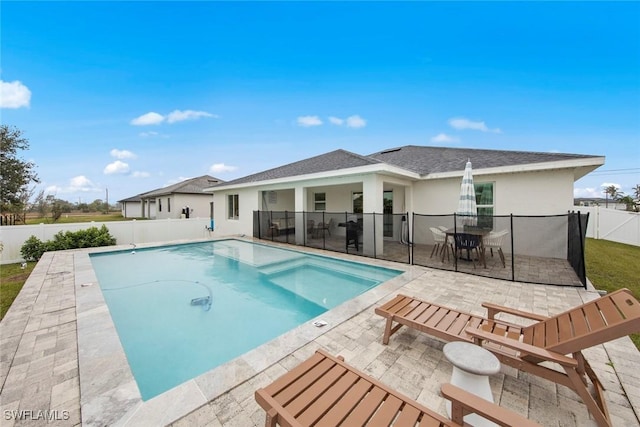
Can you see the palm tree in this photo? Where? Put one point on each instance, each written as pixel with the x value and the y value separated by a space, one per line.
pixel 612 191
pixel 636 191
pixel 628 201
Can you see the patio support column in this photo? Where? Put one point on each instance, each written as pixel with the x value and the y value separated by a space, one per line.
pixel 372 201
pixel 300 206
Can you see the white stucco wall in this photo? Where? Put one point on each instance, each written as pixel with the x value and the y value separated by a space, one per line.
pixel 284 200
pixel 199 204
pixel 531 193
pixel 134 210
pixel 249 200
pixel 547 192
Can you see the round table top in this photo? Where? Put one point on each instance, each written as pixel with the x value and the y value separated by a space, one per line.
pixel 471 358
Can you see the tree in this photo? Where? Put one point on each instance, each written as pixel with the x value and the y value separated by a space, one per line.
pixel 15 174
pixel 636 192
pixel 629 202
pixel 612 191
pixel 40 204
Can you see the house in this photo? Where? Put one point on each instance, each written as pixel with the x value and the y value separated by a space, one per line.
pixel 182 200
pixel 132 207
pixel 420 179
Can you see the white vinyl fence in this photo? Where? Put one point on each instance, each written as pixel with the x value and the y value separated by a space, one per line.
pixel 611 224
pixel 125 232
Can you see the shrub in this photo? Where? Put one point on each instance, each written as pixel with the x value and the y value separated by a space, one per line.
pixel 32 249
pixel 92 237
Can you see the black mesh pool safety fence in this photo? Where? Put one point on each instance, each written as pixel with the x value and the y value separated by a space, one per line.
pixel 533 249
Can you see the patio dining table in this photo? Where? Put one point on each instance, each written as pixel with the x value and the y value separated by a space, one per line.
pixel 480 232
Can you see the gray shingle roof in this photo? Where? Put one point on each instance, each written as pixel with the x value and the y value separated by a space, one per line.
pixel 425 160
pixel 189 186
pixel 334 160
pixel 422 160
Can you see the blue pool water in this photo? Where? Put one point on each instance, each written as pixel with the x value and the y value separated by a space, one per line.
pixel 182 310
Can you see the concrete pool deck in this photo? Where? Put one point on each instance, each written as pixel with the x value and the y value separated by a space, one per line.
pixel 60 357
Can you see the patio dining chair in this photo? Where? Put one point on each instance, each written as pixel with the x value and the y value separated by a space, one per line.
pixel 468 243
pixel 439 242
pixel 495 240
pixel 324 227
pixel 311 225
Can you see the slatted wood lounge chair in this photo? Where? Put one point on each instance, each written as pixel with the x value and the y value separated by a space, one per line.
pixel 559 339
pixel 325 391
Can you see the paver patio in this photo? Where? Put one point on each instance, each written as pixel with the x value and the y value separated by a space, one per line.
pixel 42 366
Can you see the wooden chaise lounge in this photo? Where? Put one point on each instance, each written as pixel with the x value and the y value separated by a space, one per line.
pixel 559 339
pixel 325 391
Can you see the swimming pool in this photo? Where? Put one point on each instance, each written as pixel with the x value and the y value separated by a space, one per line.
pixel 182 310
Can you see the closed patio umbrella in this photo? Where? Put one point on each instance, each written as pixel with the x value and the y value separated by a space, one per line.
pixel 467 211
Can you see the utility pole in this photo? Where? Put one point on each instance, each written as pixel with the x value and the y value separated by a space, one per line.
pixel 107 191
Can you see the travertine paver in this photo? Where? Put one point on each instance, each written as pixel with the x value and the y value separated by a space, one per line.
pixel 39 365
pixel 40 381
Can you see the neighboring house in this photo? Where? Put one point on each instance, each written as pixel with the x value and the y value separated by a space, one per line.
pixel 414 179
pixel 133 207
pixel 602 202
pixel 185 199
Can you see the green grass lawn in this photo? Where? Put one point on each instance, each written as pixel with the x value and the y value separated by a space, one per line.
pixel 12 277
pixel 611 266
pixel 71 218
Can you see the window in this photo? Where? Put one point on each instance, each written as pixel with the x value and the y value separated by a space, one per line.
pixel 320 201
pixel 357 201
pixel 168 204
pixel 159 205
pixel 484 203
pixel 233 206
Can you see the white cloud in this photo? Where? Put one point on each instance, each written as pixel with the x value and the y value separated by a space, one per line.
pixel 153 134
pixel 151 118
pixel 180 116
pixel 606 185
pixel 53 189
pixel 116 167
pixel 221 168
pixel 462 124
pixel 336 121
pixel 139 174
pixel 356 122
pixel 308 121
pixel 594 192
pixel 14 95
pixel 82 183
pixel 78 184
pixel 122 154
pixel 443 137
pixel 587 193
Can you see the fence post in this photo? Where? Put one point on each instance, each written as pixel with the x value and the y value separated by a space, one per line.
pixel 583 277
pixel 375 255
pixel 513 254
pixel 323 240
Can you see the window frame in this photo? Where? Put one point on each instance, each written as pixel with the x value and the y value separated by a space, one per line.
pixel 354 196
pixel 233 207
pixel 320 204
pixel 479 189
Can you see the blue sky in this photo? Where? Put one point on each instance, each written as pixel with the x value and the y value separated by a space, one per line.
pixel 133 96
